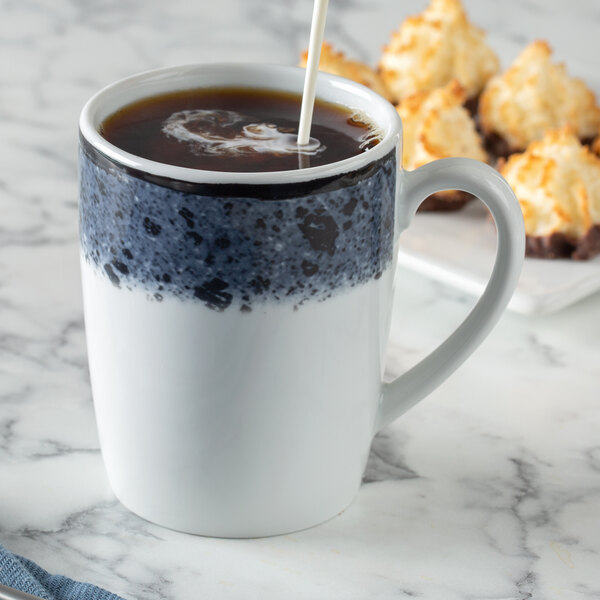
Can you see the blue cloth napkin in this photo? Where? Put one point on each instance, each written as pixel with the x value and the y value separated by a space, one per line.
pixel 22 574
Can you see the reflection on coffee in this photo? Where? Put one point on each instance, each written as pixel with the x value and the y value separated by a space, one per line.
pixel 240 130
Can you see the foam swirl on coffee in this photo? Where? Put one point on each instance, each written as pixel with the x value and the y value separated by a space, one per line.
pixel 219 132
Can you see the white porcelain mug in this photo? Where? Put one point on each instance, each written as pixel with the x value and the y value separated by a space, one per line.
pixel 237 322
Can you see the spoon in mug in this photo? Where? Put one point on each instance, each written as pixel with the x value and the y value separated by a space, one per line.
pixel 317 29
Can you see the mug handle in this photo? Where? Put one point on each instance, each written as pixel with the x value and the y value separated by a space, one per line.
pixel 489 186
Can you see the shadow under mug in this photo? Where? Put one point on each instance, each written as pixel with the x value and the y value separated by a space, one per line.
pixel 237 322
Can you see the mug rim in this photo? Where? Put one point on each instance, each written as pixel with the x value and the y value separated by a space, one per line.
pixel 258 76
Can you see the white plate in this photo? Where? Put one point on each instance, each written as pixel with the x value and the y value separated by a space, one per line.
pixel 459 248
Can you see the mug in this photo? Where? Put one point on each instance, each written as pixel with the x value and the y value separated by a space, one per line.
pixel 237 322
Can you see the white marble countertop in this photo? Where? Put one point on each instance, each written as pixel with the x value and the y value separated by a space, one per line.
pixel 488 489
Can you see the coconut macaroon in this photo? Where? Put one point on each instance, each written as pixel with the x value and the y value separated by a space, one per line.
pixel 432 48
pixel 557 183
pixel 437 125
pixel 533 96
pixel 336 63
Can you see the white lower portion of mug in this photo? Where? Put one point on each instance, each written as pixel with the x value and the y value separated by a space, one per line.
pixel 235 424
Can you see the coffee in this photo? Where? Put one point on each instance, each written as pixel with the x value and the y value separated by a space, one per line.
pixel 237 130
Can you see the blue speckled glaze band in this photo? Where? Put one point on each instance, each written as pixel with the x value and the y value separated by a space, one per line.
pixel 236 245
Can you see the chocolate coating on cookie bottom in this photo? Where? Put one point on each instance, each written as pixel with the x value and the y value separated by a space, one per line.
pixel 558 245
pixel 446 202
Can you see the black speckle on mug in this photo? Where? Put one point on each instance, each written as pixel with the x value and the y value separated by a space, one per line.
pixel 111 275
pixel 349 207
pixel 213 294
pixel 194 235
pixel 259 285
pixel 121 267
pixel 321 231
pixel 188 216
pixel 151 227
pixel 308 268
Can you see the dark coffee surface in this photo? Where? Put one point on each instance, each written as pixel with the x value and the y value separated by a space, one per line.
pixel 236 130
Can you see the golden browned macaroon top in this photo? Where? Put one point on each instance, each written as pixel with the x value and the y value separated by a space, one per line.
pixel 336 63
pixel 535 95
pixel 436 125
pixel 557 183
pixel 432 48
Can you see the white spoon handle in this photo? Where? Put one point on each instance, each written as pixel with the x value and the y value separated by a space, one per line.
pixel 317 29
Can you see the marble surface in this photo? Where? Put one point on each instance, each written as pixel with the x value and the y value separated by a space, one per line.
pixel 490 488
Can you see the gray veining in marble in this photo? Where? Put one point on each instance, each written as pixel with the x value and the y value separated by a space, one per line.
pixel 490 489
